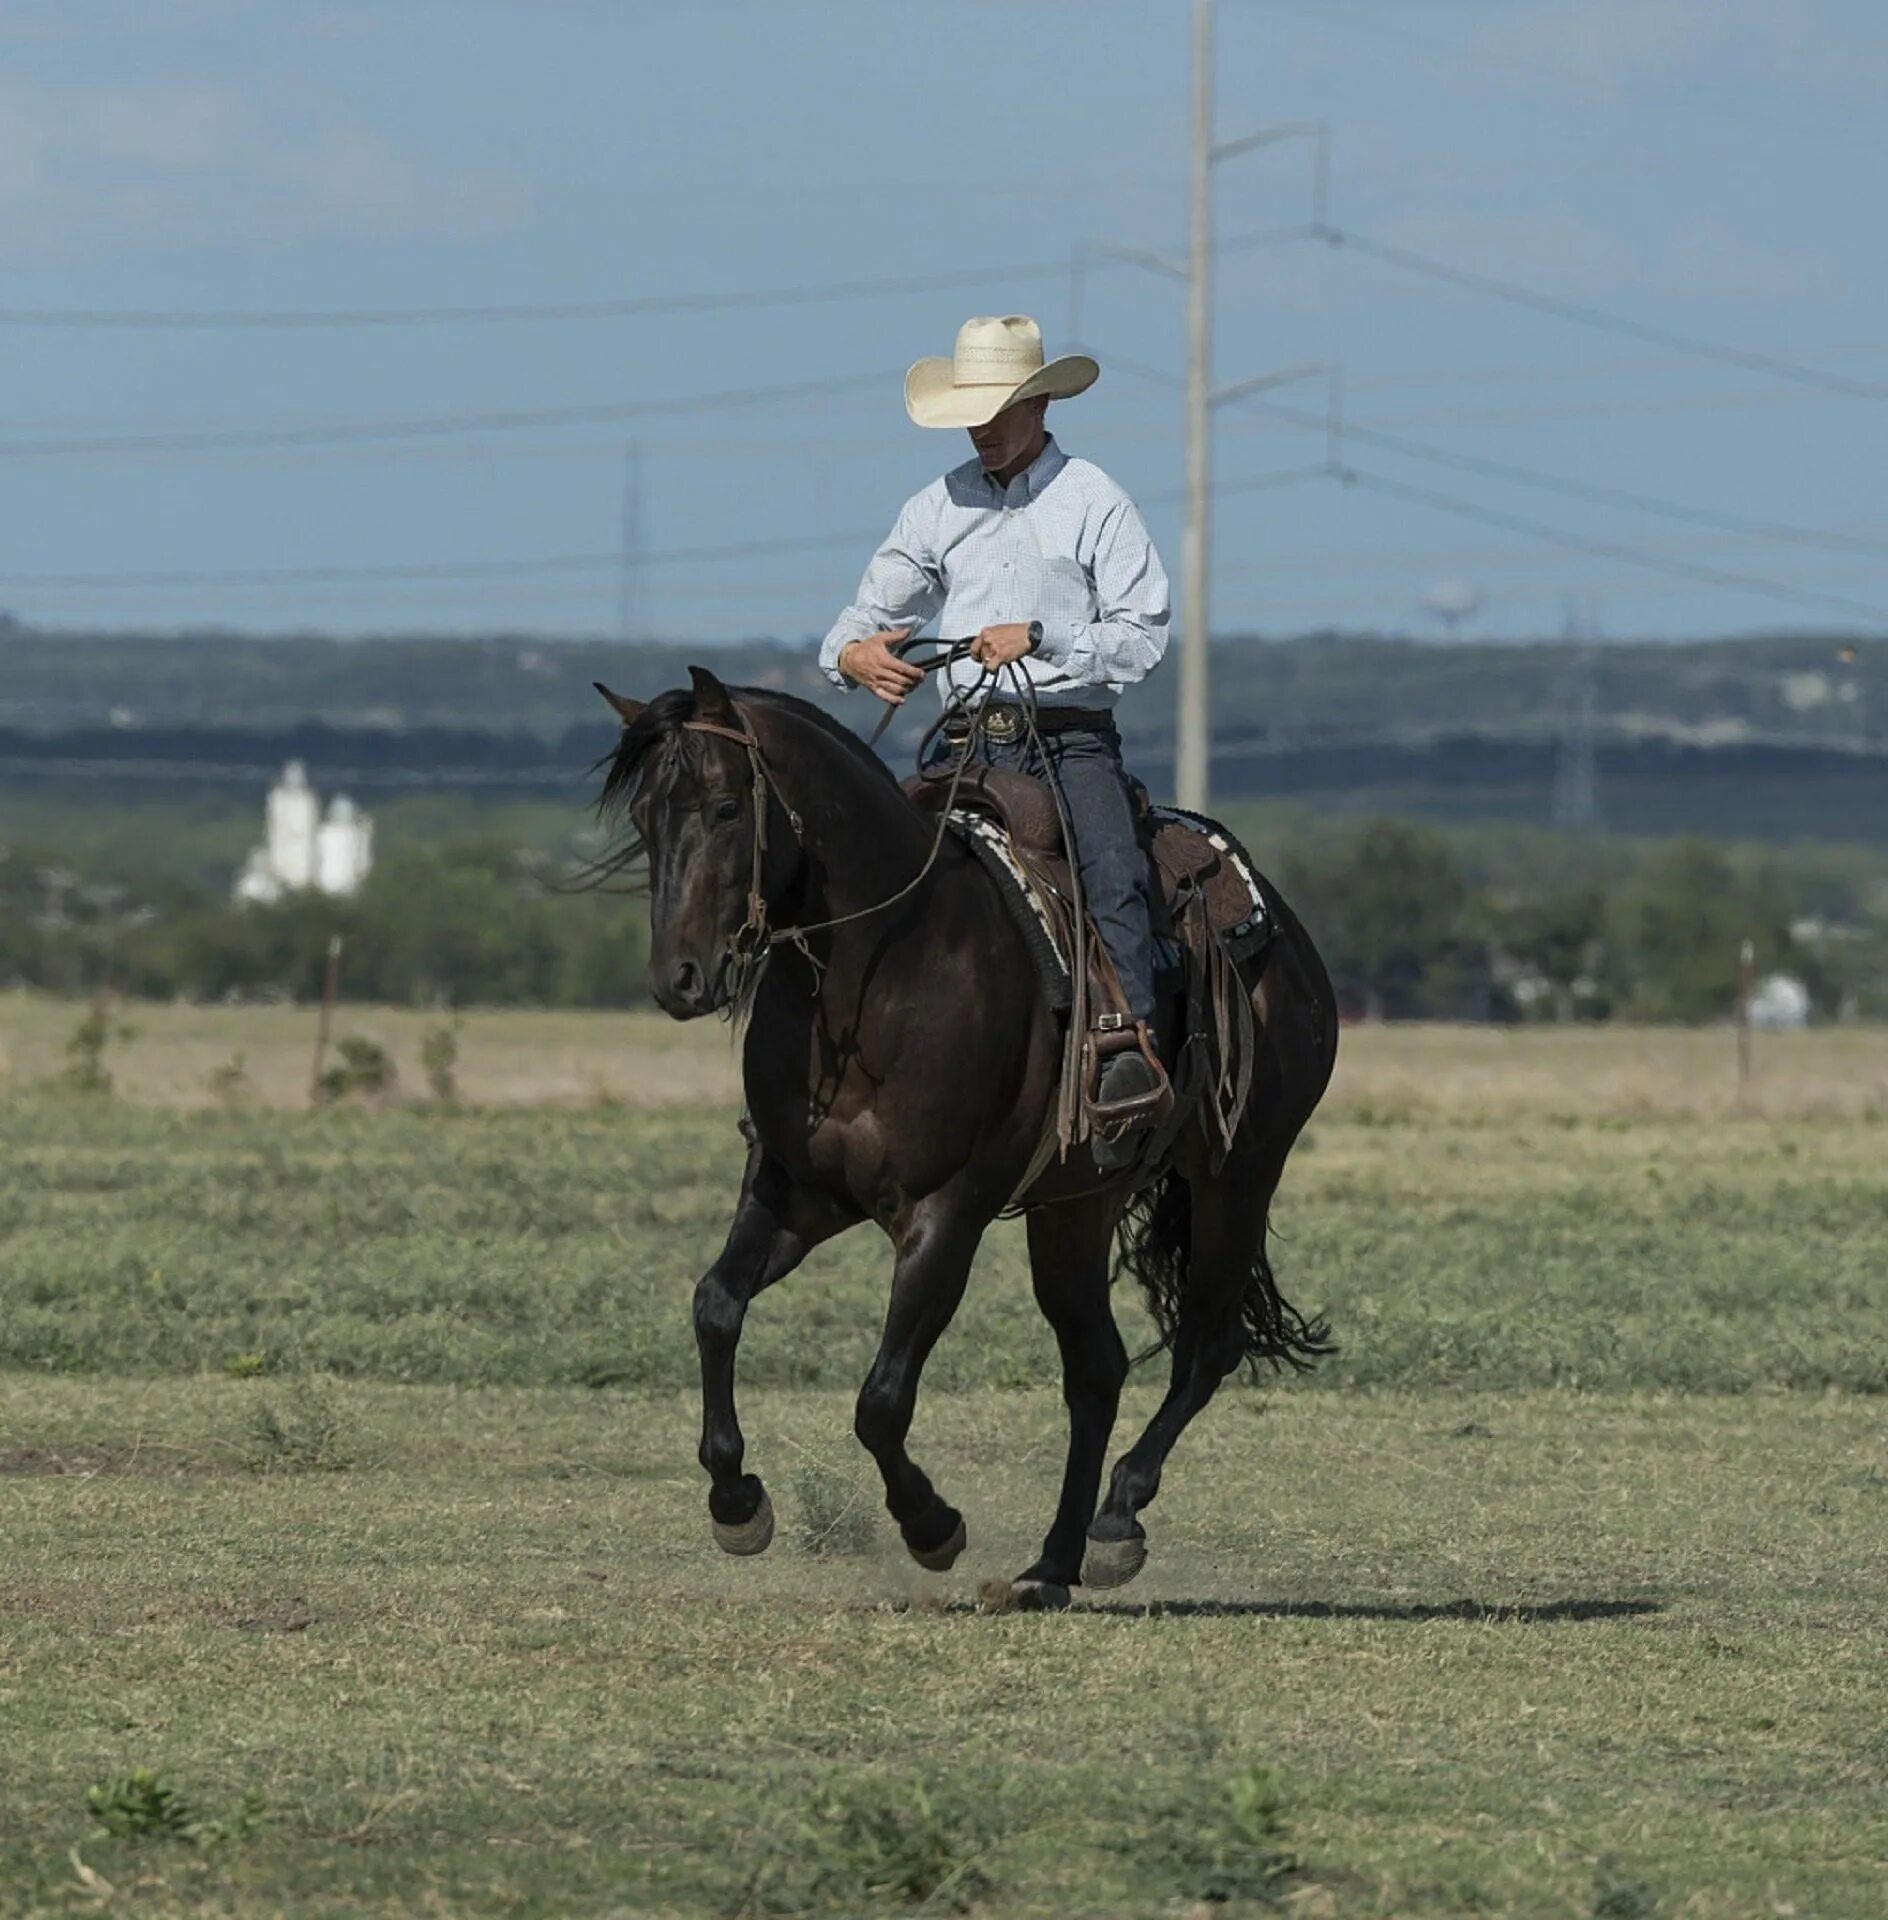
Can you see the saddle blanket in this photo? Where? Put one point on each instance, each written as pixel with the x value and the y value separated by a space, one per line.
pixel 1238 909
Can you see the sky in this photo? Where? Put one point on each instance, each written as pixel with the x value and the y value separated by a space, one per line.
pixel 1708 169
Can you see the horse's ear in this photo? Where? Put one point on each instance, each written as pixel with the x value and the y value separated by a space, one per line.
pixel 711 698
pixel 628 711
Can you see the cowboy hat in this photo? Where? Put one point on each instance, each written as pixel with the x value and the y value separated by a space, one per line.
pixel 997 363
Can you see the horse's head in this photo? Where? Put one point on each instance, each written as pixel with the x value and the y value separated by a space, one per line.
pixel 687 794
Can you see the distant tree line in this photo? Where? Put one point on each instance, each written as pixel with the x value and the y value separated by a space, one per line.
pixel 1407 934
pixel 1764 788
pixel 468 922
pixel 1407 930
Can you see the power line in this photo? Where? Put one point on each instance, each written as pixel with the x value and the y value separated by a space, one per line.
pixel 348 432
pixel 547 564
pixel 1779 531
pixel 296 319
pixel 1267 237
pixel 293 318
pixel 1585 315
pixel 1612 549
pixel 1606 496
pixel 1563 372
pixel 147 579
pixel 1249 483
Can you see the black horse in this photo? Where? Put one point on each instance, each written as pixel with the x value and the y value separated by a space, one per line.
pixel 900 1067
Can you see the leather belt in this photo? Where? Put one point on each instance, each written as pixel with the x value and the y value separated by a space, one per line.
pixel 1002 720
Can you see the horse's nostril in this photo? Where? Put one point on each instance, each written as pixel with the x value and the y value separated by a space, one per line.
pixel 685 978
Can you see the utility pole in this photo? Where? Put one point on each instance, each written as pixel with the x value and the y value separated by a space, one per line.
pixel 1193 742
pixel 1193 746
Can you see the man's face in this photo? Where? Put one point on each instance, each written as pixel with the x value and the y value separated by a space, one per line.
pixel 1010 435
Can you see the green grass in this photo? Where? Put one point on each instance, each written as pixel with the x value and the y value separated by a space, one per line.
pixel 354 1559
pixel 1449 1654
pixel 532 1248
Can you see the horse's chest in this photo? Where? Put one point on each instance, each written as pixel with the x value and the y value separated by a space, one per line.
pixel 862 1139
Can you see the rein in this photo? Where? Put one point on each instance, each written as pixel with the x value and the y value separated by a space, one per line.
pixel 751 938
pixel 754 938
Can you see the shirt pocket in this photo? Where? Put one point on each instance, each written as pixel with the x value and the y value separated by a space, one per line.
pixel 1064 587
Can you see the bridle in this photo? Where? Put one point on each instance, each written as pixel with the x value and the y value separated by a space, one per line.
pixel 756 937
pixel 753 938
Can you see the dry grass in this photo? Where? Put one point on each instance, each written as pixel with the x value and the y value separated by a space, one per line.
pixel 1618 1072
pixel 525 1058
pixel 506 1057
pixel 1467 1644
pixel 1496 1652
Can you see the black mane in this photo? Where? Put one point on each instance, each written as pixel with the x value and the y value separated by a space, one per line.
pixel 818 717
pixel 652 744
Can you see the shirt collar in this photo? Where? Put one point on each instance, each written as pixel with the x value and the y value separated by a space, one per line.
pixel 1033 478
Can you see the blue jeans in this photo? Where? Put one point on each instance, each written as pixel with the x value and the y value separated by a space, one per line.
pixel 1108 850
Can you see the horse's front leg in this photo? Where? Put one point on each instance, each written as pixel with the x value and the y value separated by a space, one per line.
pixel 935 1248
pixel 776 1225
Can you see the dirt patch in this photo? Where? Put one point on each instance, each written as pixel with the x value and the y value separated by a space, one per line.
pixel 86 1460
pixel 291 1616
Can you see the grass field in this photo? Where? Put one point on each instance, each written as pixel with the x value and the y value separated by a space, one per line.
pixel 346 1459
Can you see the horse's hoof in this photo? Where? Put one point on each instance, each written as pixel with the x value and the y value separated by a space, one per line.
pixel 1038 1596
pixel 943 1558
pixel 1113 1563
pixel 750 1536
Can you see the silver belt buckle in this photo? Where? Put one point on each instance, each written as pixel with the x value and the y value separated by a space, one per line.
pixel 1002 723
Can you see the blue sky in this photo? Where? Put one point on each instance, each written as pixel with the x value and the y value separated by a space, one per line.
pixel 1705 166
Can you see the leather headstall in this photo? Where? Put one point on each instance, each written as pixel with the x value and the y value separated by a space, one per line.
pixel 753 937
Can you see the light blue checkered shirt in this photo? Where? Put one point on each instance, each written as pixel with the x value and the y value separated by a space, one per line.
pixel 1061 544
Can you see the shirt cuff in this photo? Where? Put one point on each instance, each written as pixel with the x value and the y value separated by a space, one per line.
pixel 829 665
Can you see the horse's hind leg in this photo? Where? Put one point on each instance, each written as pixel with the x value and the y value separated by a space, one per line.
pixel 775 1226
pixel 1226 1247
pixel 935 1249
pixel 1068 1263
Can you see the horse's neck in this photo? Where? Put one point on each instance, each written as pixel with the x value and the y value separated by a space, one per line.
pixel 863 840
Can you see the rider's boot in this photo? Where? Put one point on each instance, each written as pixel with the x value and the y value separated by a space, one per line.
pixel 1129 1078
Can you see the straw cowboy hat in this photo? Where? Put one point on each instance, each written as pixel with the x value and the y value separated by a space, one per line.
pixel 997 363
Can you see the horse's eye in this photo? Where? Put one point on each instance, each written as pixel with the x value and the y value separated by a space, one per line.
pixel 727 811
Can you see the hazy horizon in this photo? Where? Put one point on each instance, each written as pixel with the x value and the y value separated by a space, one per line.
pixel 1699 168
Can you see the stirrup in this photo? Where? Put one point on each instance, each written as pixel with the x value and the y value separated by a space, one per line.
pixel 1112 1035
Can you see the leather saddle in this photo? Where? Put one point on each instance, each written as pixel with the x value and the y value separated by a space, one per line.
pixel 1018 802
pixel 1190 853
pixel 1206 909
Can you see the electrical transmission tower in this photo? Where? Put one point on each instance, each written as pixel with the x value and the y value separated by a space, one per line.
pixel 630 613
pixel 1576 786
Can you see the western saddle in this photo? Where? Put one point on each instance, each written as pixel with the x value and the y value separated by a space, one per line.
pixel 1205 907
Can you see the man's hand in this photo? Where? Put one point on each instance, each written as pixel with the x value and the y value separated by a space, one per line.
pixel 998 646
pixel 871 663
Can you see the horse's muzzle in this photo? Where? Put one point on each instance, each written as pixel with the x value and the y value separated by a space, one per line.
pixel 690 990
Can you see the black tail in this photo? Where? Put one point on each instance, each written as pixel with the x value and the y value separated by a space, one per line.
pixel 1154 1248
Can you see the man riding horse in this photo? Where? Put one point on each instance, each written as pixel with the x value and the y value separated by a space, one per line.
pixel 1025 537
pixel 897 1068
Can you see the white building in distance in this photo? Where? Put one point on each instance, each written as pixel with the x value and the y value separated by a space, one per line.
pixel 1780 1005
pixel 301 849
